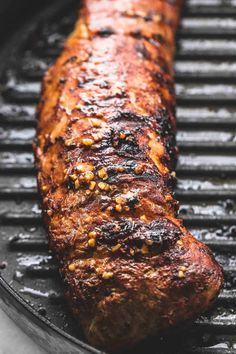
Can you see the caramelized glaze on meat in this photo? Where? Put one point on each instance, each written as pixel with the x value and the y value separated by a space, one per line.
pixel 106 155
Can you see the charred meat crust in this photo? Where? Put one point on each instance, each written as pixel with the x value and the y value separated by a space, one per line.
pixel 105 154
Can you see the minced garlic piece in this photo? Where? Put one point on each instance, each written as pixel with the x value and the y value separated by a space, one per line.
pixel 138 169
pixel 88 176
pixel 118 208
pixel 102 173
pixel 132 251
pixel 77 184
pixel 181 274
pixel 168 197
pixel 103 186
pixel 183 268
pixel 120 169
pixel 96 123
pixel 143 218
pixel 92 185
pixel 73 176
pixel 92 234
pixel 97 137
pixel 91 242
pixel 179 242
pixel 107 275
pixel 80 168
pixel 84 33
pixel 120 200
pixel 87 141
pixel 88 219
pixel 72 267
pixel 116 247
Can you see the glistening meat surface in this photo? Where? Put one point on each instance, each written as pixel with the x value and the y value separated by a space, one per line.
pixel 105 155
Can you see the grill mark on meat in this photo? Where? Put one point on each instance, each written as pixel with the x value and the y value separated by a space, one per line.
pixel 160 232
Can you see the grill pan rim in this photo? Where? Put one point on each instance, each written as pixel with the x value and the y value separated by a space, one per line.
pixel 43 322
pixel 12 297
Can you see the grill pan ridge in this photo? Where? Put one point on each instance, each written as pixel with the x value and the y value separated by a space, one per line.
pixel 205 66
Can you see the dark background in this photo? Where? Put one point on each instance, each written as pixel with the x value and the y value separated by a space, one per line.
pixel 15 12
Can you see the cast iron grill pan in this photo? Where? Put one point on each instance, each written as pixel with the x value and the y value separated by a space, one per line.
pixel 205 68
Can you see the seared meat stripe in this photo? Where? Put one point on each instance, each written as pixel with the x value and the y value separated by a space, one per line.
pixel 106 155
